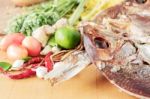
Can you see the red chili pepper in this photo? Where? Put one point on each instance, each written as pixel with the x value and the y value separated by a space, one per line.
pixel 33 61
pixel 37 64
pixel 1 69
pixel 48 62
pixel 26 74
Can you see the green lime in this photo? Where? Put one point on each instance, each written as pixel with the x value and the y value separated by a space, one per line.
pixel 52 41
pixel 67 37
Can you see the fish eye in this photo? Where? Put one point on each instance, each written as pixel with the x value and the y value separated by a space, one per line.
pixel 141 1
pixel 101 43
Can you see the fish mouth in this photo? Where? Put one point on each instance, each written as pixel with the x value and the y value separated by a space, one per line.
pixel 119 54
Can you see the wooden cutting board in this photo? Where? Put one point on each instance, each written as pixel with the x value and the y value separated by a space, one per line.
pixel 89 84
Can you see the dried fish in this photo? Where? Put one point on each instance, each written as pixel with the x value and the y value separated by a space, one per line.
pixel 118 43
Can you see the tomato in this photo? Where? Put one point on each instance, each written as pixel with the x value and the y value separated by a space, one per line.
pixel 33 46
pixel 9 39
pixel 67 37
pixel 16 52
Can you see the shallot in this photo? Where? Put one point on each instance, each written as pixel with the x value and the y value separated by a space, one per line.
pixel 33 46
pixel 16 52
pixel 10 39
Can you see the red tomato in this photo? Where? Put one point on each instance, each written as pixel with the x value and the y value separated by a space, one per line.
pixel 33 46
pixel 9 39
pixel 16 51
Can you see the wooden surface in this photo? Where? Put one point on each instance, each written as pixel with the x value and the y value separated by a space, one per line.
pixel 89 84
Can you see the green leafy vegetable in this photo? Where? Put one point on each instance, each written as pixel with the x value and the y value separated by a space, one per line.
pixel 44 14
pixel 16 24
pixel 5 66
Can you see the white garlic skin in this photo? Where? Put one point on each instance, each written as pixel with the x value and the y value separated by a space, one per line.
pixel 41 72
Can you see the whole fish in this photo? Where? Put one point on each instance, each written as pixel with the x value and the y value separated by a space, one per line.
pixel 118 43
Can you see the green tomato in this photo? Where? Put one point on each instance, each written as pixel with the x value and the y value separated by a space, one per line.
pixel 67 37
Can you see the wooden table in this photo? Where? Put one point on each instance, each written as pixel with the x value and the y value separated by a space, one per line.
pixel 89 84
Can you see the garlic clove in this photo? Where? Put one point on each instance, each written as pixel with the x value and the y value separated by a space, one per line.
pixel 17 64
pixel 41 72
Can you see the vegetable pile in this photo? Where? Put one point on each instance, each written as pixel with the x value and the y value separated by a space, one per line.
pixel 32 55
pixel 45 36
